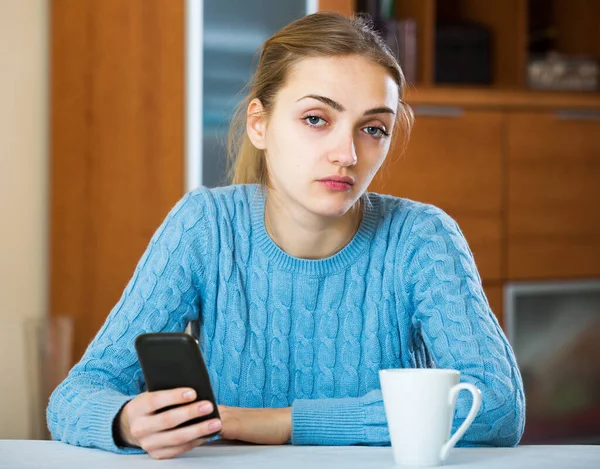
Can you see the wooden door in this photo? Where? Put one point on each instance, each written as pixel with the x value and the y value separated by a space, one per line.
pixel 117 74
pixel 454 161
pixel 554 194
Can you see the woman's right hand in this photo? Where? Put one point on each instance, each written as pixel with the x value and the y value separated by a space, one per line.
pixel 141 426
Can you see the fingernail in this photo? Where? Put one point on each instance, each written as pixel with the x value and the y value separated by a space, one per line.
pixel 205 407
pixel 215 425
pixel 189 394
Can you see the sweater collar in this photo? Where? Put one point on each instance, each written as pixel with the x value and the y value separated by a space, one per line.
pixel 317 267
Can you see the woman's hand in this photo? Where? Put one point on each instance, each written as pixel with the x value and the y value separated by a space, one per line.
pixel 260 426
pixel 140 425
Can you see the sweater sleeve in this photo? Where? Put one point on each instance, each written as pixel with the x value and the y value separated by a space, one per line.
pixel 340 421
pixel 441 289
pixel 451 314
pixel 163 295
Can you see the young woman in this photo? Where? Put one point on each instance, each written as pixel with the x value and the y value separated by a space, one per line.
pixel 305 284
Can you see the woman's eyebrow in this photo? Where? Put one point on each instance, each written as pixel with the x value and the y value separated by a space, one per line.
pixel 379 110
pixel 338 107
pixel 328 101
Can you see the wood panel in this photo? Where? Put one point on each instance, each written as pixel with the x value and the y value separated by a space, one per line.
pixel 553 196
pixel 423 12
pixel 499 99
pixel 456 164
pixel 578 27
pixel 117 153
pixel 345 7
pixel 69 150
pixel 507 22
pixel 495 296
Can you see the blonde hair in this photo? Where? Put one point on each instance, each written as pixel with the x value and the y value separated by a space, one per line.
pixel 316 35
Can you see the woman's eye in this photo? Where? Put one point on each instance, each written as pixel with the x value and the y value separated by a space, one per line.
pixel 315 121
pixel 375 131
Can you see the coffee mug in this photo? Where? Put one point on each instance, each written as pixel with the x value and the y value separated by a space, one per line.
pixel 419 406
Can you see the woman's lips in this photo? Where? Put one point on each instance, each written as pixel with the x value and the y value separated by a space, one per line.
pixel 336 185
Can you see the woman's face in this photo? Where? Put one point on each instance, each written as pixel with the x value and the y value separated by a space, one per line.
pixel 328 133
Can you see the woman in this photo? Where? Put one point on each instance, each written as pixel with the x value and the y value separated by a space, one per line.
pixel 305 284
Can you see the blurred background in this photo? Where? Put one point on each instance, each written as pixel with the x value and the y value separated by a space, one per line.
pixel 110 110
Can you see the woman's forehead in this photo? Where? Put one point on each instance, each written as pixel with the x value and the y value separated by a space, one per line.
pixel 353 81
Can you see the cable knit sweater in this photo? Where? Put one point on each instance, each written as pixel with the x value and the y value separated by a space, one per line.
pixel 280 331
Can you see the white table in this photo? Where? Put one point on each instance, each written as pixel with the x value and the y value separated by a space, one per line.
pixel 21 454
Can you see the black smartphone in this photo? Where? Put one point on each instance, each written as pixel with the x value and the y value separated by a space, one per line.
pixel 173 360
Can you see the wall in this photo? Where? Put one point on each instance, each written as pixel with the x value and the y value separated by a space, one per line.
pixel 23 200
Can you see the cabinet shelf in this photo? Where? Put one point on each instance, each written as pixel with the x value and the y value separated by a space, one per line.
pixel 519 30
pixel 497 98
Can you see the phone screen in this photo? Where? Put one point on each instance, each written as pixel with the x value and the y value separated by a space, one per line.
pixel 173 360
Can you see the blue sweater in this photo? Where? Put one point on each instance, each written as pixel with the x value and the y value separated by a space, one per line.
pixel 280 331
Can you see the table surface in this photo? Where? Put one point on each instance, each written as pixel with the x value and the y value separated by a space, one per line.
pixel 21 454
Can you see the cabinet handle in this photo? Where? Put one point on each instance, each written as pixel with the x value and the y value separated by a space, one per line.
pixel 438 111
pixel 578 114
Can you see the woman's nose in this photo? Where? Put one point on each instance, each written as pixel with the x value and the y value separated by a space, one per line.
pixel 344 153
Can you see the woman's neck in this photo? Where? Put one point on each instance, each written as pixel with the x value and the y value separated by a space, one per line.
pixel 308 236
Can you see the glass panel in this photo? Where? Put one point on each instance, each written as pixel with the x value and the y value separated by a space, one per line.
pixel 49 348
pixel 557 343
pixel 233 32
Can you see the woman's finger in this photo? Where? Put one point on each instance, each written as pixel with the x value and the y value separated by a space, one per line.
pixel 180 436
pixel 175 417
pixel 150 402
pixel 173 451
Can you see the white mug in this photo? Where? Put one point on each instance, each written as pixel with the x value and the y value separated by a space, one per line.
pixel 419 406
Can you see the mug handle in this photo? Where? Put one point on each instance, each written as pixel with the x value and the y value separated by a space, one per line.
pixel 470 417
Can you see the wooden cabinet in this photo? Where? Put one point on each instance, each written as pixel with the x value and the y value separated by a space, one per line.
pixel 523 184
pixel 553 194
pixel 506 20
pixel 117 147
pixel 454 161
pixel 517 27
pixel 494 291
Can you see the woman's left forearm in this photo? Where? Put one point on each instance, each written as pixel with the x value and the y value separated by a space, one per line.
pixel 260 426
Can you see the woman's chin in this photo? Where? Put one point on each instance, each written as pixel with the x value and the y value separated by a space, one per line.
pixel 333 208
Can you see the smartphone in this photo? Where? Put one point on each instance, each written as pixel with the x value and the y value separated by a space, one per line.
pixel 173 360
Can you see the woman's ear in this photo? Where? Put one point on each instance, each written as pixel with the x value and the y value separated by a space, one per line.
pixel 256 124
